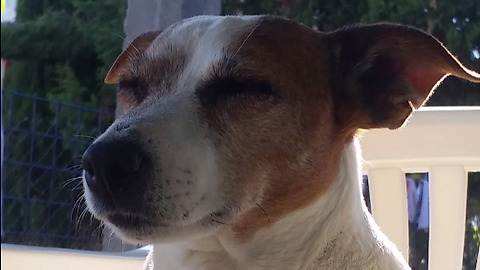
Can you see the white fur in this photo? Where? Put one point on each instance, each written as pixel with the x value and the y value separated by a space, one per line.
pixel 204 39
pixel 336 232
pixel 180 133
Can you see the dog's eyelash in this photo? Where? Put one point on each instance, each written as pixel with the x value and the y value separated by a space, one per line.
pixel 134 87
pixel 225 87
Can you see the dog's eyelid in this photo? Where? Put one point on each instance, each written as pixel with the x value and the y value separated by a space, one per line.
pixel 129 83
pixel 226 87
pixel 229 85
pixel 134 87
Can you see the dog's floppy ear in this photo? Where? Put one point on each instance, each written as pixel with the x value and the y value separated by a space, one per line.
pixel 386 71
pixel 137 47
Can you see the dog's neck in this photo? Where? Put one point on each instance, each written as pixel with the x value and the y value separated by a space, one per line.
pixel 323 234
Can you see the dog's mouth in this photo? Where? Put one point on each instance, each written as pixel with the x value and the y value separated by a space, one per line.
pixel 147 230
pixel 133 222
pixel 128 221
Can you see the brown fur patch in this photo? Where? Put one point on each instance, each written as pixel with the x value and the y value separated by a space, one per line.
pixel 281 153
pixel 153 75
pixel 136 48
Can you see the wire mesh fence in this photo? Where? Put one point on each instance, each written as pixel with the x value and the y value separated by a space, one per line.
pixel 41 186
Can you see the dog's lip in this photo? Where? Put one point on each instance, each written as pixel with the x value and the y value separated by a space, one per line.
pixel 134 221
pixel 130 221
pixel 219 217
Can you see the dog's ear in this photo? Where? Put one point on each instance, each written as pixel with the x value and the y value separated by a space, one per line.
pixel 137 47
pixel 386 71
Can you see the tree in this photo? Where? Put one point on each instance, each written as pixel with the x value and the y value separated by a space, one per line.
pixel 61 50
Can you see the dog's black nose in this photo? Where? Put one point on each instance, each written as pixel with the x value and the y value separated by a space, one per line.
pixel 112 166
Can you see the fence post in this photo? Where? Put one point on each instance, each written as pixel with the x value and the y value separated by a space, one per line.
pixel 448 204
pixel 387 196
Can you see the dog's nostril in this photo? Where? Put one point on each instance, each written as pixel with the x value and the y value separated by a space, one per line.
pixel 87 167
pixel 92 180
pixel 129 164
pixel 112 166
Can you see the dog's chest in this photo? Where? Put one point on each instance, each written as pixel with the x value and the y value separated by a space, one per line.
pixel 178 256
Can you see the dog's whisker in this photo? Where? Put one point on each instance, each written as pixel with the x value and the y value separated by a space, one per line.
pixel 212 218
pixel 75 166
pixel 110 235
pixel 77 186
pixel 247 38
pixel 84 136
pixel 77 206
pixel 132 55
pixel 79 219
pixel 70 181
pixel 118 36
pixel 78 202
pixel 135 47
pixel 83 215
pixel 264 212
pixel 219 222
pixel 100 228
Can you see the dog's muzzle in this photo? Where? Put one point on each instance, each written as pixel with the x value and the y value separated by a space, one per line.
pixel 114 171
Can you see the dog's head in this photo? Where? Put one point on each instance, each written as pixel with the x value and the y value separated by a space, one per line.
pixel 237 121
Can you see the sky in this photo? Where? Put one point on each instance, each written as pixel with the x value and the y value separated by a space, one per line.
pixel 8 15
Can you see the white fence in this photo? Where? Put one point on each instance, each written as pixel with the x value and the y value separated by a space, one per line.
pixel 442 141
pixel 445 142
pixel 16 257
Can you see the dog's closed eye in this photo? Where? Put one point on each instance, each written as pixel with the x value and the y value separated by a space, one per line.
pixel 131 92
pixel 221 89
pixel 134 87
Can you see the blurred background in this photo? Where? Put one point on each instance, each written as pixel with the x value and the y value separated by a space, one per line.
pixel 55 55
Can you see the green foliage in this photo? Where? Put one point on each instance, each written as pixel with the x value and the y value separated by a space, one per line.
pixel 64 78
pixel 104 30
pixel 54 39
pixel 61 50
pixel 33 40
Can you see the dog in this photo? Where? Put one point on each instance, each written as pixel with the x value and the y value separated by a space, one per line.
pixel 237 147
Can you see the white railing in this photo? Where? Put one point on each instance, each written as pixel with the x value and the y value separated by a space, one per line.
pixel 442 141
pixel 17 257
pixel 445 142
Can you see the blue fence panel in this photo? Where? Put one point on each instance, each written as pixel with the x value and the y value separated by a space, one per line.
pixel 42 144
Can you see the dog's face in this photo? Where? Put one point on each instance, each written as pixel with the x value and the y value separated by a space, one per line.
pixel 235 122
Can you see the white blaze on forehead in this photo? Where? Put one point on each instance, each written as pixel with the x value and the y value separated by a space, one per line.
pixel 204 40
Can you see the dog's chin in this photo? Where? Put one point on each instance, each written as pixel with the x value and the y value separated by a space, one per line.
pixel 140 227
pixel 140 230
